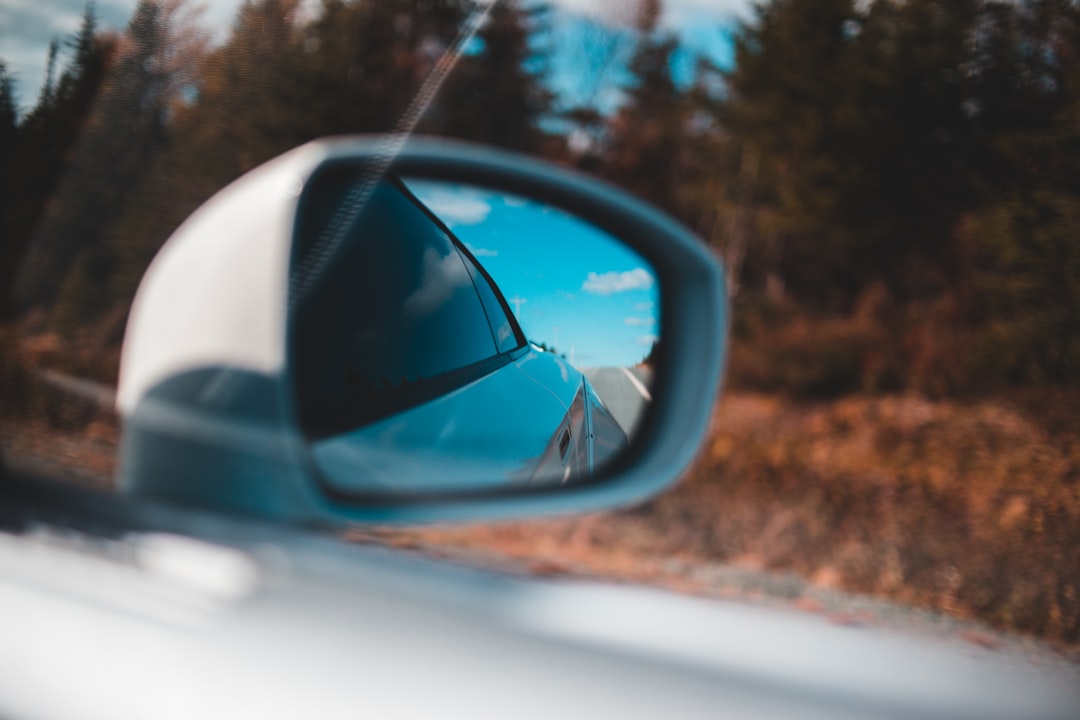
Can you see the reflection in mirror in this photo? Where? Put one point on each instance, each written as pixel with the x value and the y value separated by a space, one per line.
pixel 464 339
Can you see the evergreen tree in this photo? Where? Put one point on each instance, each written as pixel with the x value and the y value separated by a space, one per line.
pixel 863 116
pixel 8 144
pixel 1025 235
pixel 249 102
pixel 172 180
pixel 278 82
pixel 9 118
pixel 79 84
pixel 497 94
pixel 786 95
pixel 928 148
pixel 49 133
pixel 646 151
pixel 69 259
pixel 242 107
pixel 48 86
pixel 368 59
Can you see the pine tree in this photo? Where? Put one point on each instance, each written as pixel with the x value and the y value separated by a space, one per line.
pixel 49 132
pixel 276 82
pixel 367 59
pixel 497 93
pixel 788 93
pixel 862 114
pixel 249 99
pixel 646 151
pixel 1025 235
pixel 169 187
pixel 9 129
pixel 9 118
pixel 48 87
pixel 69 259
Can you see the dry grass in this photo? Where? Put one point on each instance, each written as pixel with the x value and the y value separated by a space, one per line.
pixel 970 509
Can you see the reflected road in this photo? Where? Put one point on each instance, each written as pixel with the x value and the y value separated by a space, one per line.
pixel 625 391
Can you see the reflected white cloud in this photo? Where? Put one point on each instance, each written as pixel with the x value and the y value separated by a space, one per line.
pixel 481 252
pixel 640 321
pixel 569 284
pixel 440 277
pixel 616 282
pixel 458 208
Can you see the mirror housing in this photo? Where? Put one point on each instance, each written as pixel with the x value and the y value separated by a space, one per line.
pixel 206 387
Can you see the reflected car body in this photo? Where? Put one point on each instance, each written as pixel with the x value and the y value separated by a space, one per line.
pixel 498 427
pixel 408 358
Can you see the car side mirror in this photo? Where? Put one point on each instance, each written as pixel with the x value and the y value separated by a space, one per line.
pixel 379 330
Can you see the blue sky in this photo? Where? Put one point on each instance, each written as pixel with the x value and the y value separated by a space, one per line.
pixel 572 286
pixel 26 26
pixel 589 56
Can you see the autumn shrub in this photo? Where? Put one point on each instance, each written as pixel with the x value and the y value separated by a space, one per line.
pixel 880 346
pixel 973 509
pixel 17 397
pixel 778 347
pixel 28 352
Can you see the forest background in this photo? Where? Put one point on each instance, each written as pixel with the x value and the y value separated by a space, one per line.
pixel 894 186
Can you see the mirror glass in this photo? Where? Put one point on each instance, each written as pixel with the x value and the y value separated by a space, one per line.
pixel 450 338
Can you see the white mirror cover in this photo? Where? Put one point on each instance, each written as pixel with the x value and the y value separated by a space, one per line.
pixel 216 294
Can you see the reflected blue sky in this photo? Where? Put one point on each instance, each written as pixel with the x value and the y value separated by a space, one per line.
pixel 571 286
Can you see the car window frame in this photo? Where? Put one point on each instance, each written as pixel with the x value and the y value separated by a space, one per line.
pixel 354 416
pixel 476 268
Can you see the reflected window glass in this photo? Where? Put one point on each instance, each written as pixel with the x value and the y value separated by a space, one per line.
pixel 396 310
pixel 507 334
